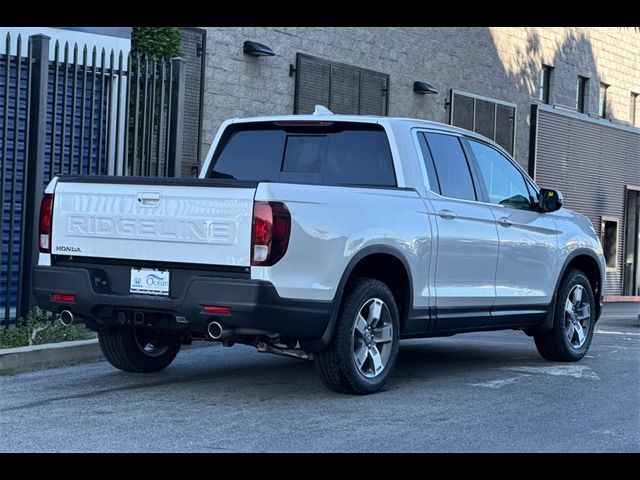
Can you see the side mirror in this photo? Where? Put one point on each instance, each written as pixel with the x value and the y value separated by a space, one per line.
pixel 549 200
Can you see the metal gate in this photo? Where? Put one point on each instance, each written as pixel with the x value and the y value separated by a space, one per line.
pixel 84 112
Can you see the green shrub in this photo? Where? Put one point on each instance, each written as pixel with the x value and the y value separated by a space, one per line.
pixel 162 42
pixel 38 328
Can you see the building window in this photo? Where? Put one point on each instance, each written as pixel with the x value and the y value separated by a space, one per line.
pixel 633 111
pixel 581 93
pixel 494 119
pixel 341 88
pixel 602 101
pixel 609 239
pixel 545 83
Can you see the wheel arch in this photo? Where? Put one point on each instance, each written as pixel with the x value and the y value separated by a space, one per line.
pixel 586 261
pixel 361 264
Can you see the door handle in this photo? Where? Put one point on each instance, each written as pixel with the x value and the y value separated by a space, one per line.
pixel 506 222
pixel 447 214
pixel 148 199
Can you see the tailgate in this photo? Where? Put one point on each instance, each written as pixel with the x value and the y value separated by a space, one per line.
pixel 169 220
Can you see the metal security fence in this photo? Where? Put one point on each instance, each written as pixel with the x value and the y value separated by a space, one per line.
pixel 155 102
pixel 14 100
pixel 88 112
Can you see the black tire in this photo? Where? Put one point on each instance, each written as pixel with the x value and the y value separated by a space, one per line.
pixel 555 345
pixel 121 347
pixel 336 365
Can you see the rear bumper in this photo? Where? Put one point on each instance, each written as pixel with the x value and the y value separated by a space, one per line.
pixel 254 304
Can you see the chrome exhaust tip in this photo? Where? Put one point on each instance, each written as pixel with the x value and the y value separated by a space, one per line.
pixel 215 330
pixel 66 318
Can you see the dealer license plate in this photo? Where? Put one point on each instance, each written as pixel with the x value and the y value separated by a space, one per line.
pixel 149 281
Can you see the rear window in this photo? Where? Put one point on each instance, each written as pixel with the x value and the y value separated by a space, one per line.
pixel 329 153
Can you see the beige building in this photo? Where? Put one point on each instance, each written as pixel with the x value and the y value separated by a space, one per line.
pixel 563 101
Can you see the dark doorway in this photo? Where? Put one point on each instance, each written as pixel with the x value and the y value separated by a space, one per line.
pixel 632 243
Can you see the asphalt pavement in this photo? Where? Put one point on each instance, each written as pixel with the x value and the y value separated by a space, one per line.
pixel 482 392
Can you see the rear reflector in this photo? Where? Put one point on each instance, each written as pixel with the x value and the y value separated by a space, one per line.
pixel 215 310
pixel 63 297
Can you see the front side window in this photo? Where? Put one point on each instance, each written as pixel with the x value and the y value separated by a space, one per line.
pixel 452 169
pixel 503 181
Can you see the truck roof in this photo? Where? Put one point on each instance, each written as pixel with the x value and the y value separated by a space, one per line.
pixel 410 122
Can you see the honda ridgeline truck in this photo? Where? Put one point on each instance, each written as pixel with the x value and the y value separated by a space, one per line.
pixel 323 237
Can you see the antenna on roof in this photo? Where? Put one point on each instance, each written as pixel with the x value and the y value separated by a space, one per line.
pixel 320 110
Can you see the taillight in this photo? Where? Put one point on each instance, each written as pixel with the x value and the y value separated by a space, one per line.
pixel 46 221
pixel 271 231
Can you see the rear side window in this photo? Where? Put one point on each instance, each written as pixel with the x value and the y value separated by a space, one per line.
pixel 432 177
pixel 451 165
pixel 251 155
pixel 337 153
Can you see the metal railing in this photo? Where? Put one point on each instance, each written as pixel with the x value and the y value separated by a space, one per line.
pixel 81 112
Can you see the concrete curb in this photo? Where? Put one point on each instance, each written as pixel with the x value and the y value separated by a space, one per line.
pixel 55 355
pixel 50 355
pixel 620 298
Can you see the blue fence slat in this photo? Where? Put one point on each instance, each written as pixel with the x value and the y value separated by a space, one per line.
pixel 61 147
pixel 16 132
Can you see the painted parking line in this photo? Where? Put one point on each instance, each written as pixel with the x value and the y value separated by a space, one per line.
pixel 575 371
pixel 502 382
pixel 609 332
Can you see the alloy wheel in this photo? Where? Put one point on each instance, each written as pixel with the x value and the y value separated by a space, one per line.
pixel 372 338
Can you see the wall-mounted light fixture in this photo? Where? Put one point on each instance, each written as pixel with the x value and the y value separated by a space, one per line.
pixel 423 88
pixel 256 49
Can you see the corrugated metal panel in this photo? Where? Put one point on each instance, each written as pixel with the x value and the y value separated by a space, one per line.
pixel 342 88
pixel 492 118
pixel 373 93
pixel 345 87
pixel 632 164
pixel 313 80
pixel 591 164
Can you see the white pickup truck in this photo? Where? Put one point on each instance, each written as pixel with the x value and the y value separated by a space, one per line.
pixel 323 237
